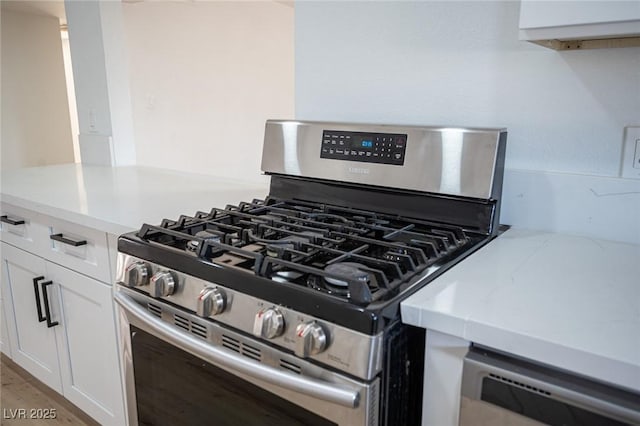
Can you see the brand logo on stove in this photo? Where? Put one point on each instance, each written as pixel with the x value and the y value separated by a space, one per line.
pixel 359 170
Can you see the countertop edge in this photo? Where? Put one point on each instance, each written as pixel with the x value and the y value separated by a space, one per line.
pixel 69 216
pixel 580 362
pixel 428 308
pixel 575 361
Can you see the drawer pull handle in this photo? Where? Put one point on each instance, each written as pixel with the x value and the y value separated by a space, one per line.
pixel 62 239
pixel 47 310
pixel 14 222
pixel 38 304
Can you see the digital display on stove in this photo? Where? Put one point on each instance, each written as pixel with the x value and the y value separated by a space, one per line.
pixel 381 148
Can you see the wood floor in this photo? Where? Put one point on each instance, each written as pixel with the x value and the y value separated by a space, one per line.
pixel 22 397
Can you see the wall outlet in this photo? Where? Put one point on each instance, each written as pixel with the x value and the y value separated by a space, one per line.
pixel 92 119
pixel 630 167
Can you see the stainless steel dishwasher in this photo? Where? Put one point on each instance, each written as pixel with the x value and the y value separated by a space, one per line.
pixel 501 390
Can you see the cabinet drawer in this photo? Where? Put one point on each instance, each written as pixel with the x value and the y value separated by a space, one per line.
pixel 77 247
pixel 22 228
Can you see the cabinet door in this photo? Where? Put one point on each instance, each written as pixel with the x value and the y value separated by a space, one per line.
pixel 33 344
pixel 567 20
pixel 89 355
pixel 5 346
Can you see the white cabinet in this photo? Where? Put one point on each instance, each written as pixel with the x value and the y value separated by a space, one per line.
pixel 57 302
pixel 77 247
pixel 86 342
pixel 33 343
pixel 21 228
pixel 618 21
pixel 5 347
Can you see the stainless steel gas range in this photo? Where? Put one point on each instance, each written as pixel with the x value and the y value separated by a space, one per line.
pixel 286 310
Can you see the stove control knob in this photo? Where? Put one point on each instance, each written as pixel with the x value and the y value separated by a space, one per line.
pixel 163 283
pixel 211 301
pixel 269 323
pixel 137 274
pixel 311 339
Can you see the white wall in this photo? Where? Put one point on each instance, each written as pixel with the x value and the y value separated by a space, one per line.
pixel 36 130
pixel 204 77
pixel 89 70
pixel 71 96
pixel 461 63
pixel 100 72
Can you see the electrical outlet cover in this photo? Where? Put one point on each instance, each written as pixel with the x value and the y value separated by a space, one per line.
pixel 630 167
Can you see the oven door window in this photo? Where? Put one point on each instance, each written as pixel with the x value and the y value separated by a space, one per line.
pixel 176 388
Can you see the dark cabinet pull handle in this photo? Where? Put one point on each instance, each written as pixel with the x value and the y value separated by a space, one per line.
pixel 7 219
pixel 62 239
pixel 47 310
pixel 38 307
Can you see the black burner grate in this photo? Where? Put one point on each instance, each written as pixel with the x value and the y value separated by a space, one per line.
pixel 355 255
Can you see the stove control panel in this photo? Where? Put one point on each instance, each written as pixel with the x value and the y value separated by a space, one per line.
pixel 305 335
pixel 381 148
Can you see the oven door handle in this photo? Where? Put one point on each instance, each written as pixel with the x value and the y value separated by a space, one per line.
pixel 317 389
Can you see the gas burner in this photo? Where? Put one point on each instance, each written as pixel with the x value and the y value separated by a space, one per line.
pixel 329 218
pixel 278 248
pixel 348 270
pixel 286 276
pixel 194 245
pixel 320 284
pixel 265 218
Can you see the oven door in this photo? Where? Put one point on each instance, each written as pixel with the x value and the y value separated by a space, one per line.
pixel 181 369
